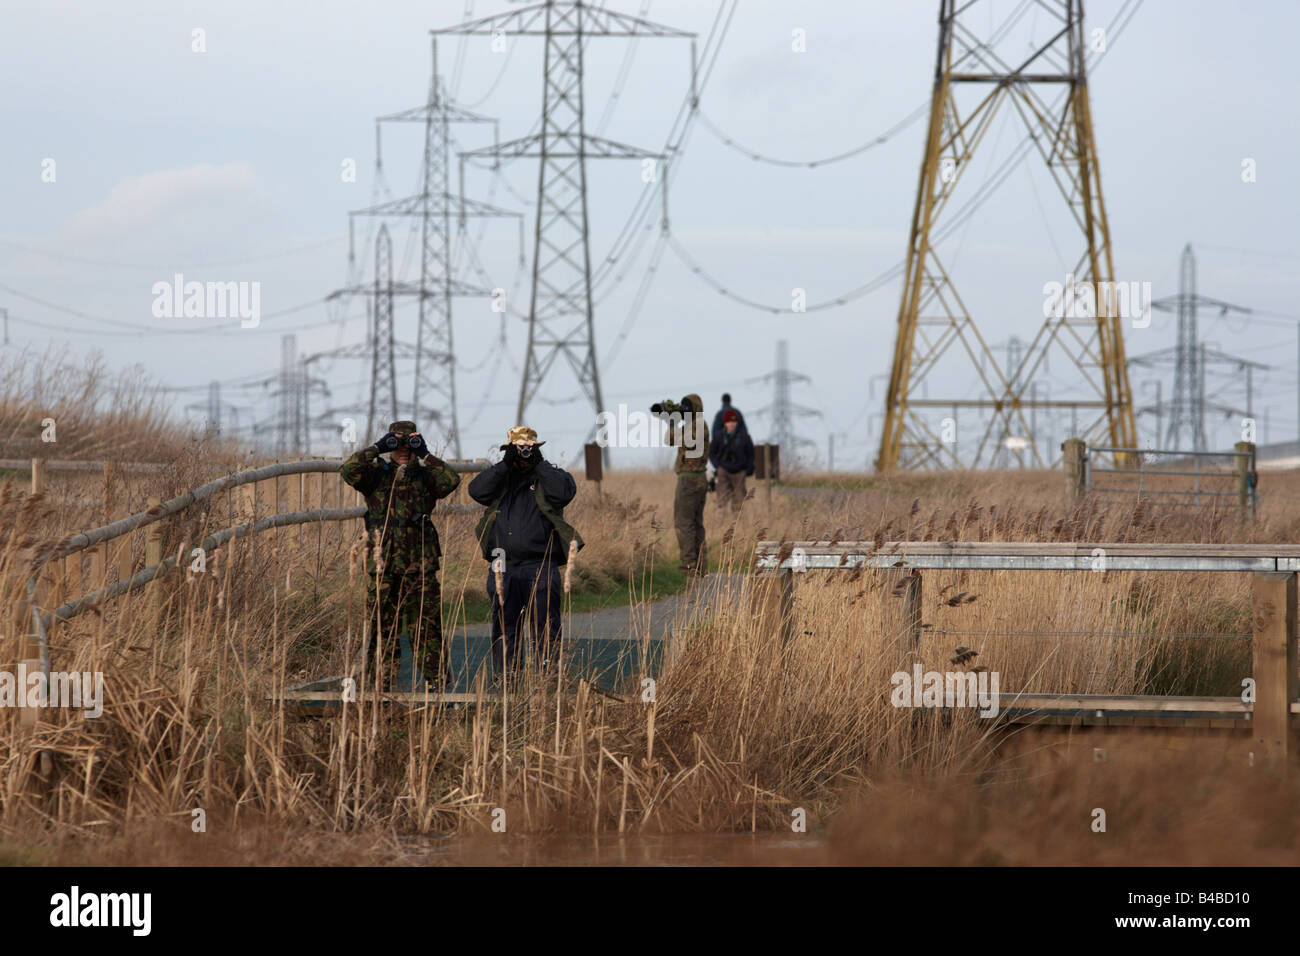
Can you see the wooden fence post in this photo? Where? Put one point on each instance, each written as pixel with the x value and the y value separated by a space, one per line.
pixel 1075 463
pixel 38 475
pixel 153 552
pixel 1273 615
pixel 767 476
pixel 118 562
pixel 912 611
pixel 772 604
pixel 1245 477
pixel 29 660
pixel 246 511
pixel 72 576
pixel 592 459
pixel 295 503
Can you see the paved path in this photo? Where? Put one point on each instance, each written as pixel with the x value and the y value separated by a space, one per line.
pixel 652 620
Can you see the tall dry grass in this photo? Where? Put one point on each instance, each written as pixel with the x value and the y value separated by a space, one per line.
pixel 743 729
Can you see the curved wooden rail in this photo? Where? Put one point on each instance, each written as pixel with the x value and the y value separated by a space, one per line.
pixel 42 621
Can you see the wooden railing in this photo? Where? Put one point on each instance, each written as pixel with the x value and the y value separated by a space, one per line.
pixel 1276 671
pixel 34 647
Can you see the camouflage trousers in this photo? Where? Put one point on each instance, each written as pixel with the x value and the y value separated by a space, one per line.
pixel 403 603
pixel 688 518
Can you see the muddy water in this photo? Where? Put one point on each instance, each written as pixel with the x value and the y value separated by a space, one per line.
pixel 685 849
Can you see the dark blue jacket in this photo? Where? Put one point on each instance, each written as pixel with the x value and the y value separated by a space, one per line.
pixel 732 452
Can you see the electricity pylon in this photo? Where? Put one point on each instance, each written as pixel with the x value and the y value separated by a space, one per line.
pixel 932 317
pixel 434 353
pixel 1189 358
pixel 783 409
pixel 383 371
pixel 560 314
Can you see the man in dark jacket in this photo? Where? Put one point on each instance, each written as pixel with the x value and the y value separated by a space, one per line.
pixel 402 548
pixel 727 407
pixel 524 534
pixel 731 452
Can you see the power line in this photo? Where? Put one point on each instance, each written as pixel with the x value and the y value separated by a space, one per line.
pixel 172 267
pixel 870 144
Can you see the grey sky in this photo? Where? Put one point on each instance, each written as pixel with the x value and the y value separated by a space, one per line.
pixel 225 165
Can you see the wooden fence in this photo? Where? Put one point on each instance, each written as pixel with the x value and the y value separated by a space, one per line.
pixel 1273 616
pixel 58 590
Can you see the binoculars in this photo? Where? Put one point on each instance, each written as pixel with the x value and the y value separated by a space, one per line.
pixel 390 442
pixel 669 407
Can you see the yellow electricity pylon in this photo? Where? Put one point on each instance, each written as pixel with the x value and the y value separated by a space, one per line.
pixel 932 317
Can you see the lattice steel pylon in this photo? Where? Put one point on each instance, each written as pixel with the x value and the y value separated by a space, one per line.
pixel 1189 357
pixel 434 352
pixel 560 315
pixel 383 370
pixel 932 317
pixel 784 409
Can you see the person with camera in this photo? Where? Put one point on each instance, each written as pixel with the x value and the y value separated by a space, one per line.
pixel 690 433
pixel 402 556
pixel 731 452
pixel 525 538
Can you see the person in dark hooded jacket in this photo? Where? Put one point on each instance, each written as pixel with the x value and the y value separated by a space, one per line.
pixel 524 534
pixel 731 452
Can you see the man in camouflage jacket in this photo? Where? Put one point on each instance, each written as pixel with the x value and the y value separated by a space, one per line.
pixel 402 546
pixel 691 436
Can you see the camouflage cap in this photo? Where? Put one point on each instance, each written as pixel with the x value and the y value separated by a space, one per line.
pixel 521 434
pixel 403 426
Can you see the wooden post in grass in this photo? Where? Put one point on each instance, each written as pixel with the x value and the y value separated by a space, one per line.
pixel 912 611
pixel 1273 616
pixel 295 504
pixel 1075 464
pixel 38 475
pixel 1245 462
pixel 772 604
pixel 153 551
pixel 72 581
pixel 766 464
pixel 117 553
pixel 595 470
pixel 246 511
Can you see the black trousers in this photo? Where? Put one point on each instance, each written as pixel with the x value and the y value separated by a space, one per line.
pixel 533 596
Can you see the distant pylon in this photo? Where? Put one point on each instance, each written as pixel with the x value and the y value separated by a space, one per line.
pixel 932 316
pixel 214 408
pixel 1187 412
pixel 783 409
pixel 1190 357
pixel 288 441
pixel 560 314
pixel 383 373
pixel 435 354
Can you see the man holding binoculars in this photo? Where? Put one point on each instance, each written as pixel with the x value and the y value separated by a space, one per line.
pixel 688 431
pixel 402 556
pixel 524 534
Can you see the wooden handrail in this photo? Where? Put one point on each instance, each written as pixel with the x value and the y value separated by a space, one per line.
pixel 88 539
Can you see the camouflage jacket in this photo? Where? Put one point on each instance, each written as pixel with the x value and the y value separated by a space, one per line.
pixel 396 502
pixel 692 440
